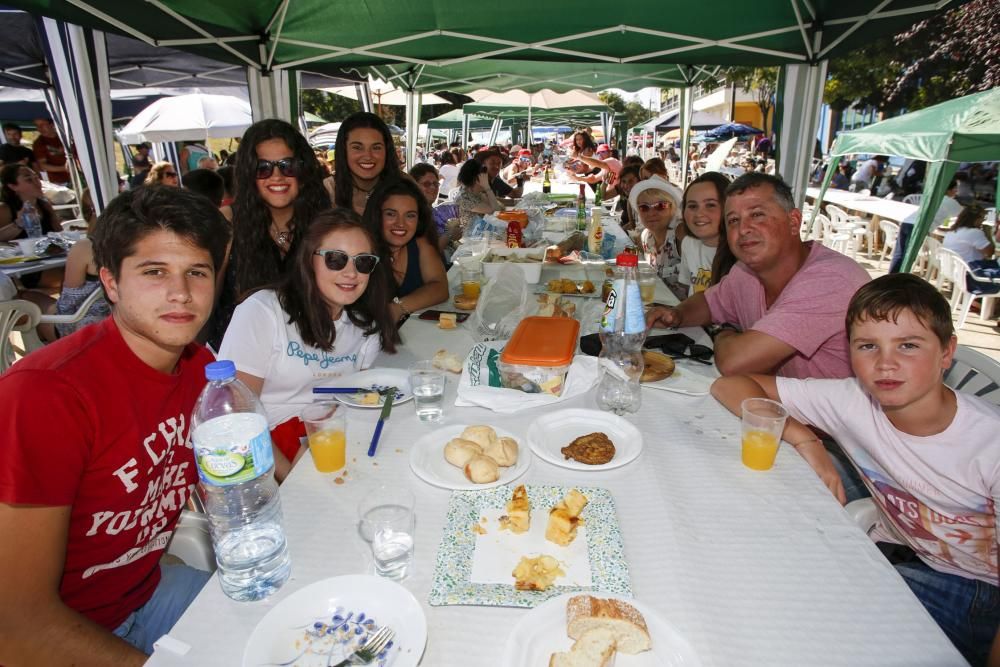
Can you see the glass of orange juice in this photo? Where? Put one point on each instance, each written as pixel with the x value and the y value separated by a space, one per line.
pixel 326 432
pixel 763 423
pixel 472 276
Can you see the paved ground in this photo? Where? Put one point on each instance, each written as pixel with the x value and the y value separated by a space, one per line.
pixel 983 337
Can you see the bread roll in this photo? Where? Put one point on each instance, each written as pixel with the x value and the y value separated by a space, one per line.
pixel 658 366
pixel 503 451
pixel 447 361
pixel 484 436
pixel 594 648
pixel 482 470
pixel 458 452
pixel 584 612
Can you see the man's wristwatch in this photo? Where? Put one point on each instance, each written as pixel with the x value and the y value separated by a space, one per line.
pixel 715 329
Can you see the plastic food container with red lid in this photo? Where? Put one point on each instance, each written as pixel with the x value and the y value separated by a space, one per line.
pixel 539 354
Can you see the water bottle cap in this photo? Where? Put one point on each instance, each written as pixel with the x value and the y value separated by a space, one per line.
pixel 220 370
pixel 627 259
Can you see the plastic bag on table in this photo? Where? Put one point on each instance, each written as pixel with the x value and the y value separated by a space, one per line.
pixel 503 303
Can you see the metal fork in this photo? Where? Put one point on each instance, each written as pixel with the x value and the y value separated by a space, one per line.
pixel 366 654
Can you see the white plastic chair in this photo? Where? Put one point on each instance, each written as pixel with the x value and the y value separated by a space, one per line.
pixel 890 232
pixel 962 298
pixel 913 199
pixel 832 238
pixel 971 372
pixel 81 312
pixel 859 228
pixel 192 541
pixel 929 257
pixel 18 320
pixel 944 273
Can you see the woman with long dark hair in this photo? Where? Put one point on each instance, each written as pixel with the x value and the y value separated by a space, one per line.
pixel 364 156
pixel 400 218
pixel 19 184
pixel 278 189
pixel 329 316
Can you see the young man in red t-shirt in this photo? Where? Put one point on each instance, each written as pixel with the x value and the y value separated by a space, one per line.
pixel 95 462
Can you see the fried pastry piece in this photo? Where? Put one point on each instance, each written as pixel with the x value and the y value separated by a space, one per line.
pixel 536 574
pixel 518 517
pixel 591 449
pixel 565 517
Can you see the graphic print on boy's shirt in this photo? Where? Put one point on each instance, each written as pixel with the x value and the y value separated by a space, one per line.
pixel 959 543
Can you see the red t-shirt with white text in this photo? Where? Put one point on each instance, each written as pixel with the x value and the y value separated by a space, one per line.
pixel 85 423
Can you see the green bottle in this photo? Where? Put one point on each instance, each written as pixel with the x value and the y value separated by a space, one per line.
pixel 581 208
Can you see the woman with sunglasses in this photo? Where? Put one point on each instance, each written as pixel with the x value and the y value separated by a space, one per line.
pixel 657 202
pixel 278 189
pixel 328 317
pixel 399 217
pixel 364 156
pixel 162 173
pixel 705 255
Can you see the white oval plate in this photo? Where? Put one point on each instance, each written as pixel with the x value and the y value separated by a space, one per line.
pixel 689 378
pixel 428 463
pixel 550 433
pixel 287 633
pixel 542 632
pixel 373 378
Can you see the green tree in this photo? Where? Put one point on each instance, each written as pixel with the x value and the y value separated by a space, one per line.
pixel 947 56
pixel 633 112
pixel 761 82
pixel 331 108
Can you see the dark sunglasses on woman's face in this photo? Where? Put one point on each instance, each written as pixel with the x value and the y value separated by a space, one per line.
pixel 289 167
pixel 659 206
pixel 336 260
pixel 170 174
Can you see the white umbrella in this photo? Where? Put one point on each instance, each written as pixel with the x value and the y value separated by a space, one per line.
pixel 189 118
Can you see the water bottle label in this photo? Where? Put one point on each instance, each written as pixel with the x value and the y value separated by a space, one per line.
pixel 635 319
pixel 233 449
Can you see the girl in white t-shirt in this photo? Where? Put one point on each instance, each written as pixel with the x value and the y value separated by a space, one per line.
pixel 703 204
pixel 968 237
pixel 329 317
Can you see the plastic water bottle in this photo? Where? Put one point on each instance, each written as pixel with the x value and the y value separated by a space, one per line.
pixel 622 331
pixel 31 221
pixel 232 445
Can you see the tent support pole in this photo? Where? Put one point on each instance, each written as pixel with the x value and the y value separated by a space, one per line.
pixel 800 100
pixel 935 185
pixel 686 111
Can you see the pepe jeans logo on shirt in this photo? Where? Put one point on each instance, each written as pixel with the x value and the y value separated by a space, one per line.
pixel 324 359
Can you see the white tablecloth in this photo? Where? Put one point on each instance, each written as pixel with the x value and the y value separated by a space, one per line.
pixel 752 568
pixel 852 201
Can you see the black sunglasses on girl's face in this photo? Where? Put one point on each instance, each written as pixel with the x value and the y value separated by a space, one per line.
pixel 336 260
pixel 288 166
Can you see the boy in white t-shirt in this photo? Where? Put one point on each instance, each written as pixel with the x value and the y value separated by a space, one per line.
pixel 928 455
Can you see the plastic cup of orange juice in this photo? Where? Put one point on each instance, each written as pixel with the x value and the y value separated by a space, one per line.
pixel 472 276
pixel 326 433
pixel 763 423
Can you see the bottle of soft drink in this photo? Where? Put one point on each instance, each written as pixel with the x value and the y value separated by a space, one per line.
pixel 547 183
pixel 232 446
pixel 31 221
pixel 581 208
pixel 622 332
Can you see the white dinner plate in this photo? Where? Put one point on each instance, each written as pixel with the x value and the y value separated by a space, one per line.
pixel 689 378
pixel 373 379
pixel 542 632
pixel 428 463
pixel 324 622
pixel 548 434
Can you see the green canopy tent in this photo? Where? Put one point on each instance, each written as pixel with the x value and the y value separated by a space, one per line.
pixel 966 129
pixel 442 45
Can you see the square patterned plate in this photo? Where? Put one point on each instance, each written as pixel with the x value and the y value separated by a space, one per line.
pixel 453 583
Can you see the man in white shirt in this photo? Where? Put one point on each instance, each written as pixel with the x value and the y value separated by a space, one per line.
pixel 866 173
pixel 949 208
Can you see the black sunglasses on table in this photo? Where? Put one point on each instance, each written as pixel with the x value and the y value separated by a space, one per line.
pixel 336 260
pixel 289 167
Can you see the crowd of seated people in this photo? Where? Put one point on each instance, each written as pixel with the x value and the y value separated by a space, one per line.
pixel 274 267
